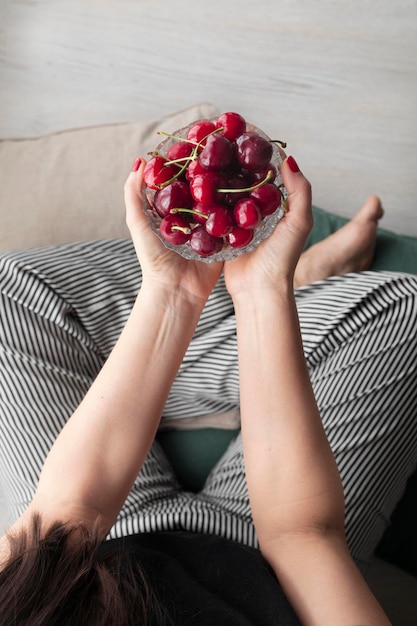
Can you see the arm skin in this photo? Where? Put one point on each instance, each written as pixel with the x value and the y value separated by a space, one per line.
pixel 294 485
pixel 94 462
pixel 92 465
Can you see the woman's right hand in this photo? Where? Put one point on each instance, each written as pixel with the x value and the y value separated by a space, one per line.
pixel 276 258
pixel 164 268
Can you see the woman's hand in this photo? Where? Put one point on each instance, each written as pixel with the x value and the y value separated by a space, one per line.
pixel 276 258
pixel 193 280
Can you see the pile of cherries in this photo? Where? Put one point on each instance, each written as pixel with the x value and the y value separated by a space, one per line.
pixel 212 186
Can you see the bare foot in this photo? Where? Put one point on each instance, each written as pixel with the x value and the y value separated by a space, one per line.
pixel 349 249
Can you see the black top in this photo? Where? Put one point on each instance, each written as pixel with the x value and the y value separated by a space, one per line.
pixel 206 580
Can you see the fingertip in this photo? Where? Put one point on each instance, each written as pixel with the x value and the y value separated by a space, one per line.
pixel 299 190
pixel 292 175
pixel 136 164
pixel 292 164
pixel 134 180
pixel 133 184
pixel 138 167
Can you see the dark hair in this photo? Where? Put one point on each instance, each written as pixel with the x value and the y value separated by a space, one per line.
pixel 60 577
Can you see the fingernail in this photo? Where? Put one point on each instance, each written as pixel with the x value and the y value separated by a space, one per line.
pixel 136 164
pixel 292 164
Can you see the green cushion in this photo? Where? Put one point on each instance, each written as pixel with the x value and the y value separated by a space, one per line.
pixel 194 453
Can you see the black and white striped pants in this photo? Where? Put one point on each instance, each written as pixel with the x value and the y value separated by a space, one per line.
pixel 62 310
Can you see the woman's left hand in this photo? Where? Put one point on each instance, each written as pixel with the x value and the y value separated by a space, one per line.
pixel 276 258
pixel 193 280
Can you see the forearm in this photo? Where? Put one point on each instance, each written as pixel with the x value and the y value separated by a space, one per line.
pixel 322 581
pixel 101 449
pixel 292 476
pixel 293 481
pixel 294 486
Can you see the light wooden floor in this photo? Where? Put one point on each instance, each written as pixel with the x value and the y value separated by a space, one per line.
pixel 337 80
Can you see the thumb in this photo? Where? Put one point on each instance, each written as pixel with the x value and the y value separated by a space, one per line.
pixel 299 214
pixel 133 195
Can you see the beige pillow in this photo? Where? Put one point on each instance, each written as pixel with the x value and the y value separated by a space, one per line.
pixel 68 186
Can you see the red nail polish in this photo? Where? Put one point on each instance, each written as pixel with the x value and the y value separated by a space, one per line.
pixel 292 164
pixel 136 164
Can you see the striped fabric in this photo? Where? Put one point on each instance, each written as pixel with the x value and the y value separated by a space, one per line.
pixel 62 310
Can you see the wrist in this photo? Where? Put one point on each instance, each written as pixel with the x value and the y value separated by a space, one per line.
pixel 174 300
pixel 260 297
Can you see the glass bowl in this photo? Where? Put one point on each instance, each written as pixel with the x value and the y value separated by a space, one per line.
pixel 261 232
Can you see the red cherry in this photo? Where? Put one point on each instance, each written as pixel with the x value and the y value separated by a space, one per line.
pixel 175 229
pixel 156 172
pixel 236 182
pixel 232 123
pixel 267 197
pixel 253 151
pixel 203 187
pixel 201 212
pixel 193 169
pixel 217 154
pixel 257 176
pixel 247 214
pixel 179 150
pixel 176 194
pixel 199 131
pixel 203 243
pixel 220 221
pixel 239 237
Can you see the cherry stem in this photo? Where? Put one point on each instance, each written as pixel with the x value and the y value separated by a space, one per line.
pixel 283 144
pixel 186 160
pixel 260 184
pixel 180 160
pixel 162 132
pixel 183 229
pixel 180 171
pixel 184 210
pixel 194 143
